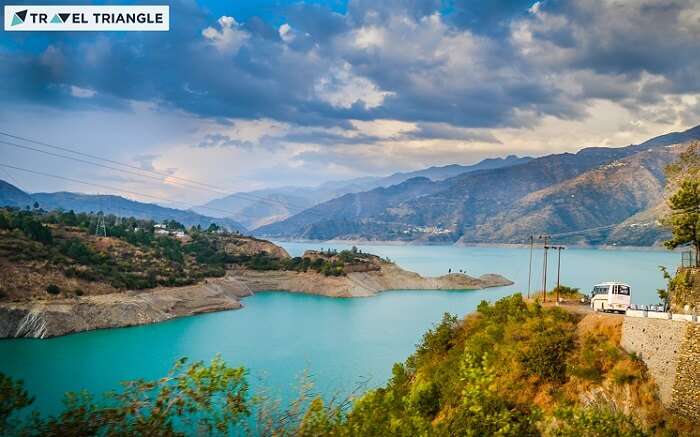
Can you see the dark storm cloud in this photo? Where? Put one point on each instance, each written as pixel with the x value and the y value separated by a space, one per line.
pixel 632 38
pixel 464 68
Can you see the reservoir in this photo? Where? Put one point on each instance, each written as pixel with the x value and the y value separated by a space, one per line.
pixel 340 343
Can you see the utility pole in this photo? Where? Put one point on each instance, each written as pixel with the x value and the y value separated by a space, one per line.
pixel 544 269
pixel 558 249
pixel 529 271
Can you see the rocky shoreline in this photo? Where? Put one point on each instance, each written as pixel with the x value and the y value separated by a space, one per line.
pixel 51 318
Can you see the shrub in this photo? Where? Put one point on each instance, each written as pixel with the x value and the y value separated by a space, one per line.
pixel 545 355
pixel 626 372
pixel 53 289
pixel 425 398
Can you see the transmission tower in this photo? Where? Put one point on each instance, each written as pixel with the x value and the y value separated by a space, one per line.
pixel 101 228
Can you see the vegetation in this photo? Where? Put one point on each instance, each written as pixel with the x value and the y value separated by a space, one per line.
pixel 207 398
pixel 60 249
pixel 53 289
pixel 511 369
pixel 684 182
pixel 565 292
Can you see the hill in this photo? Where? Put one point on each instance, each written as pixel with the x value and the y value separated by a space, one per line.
pixel 258 208
pixel 57 277
pixel 603 197
pixel 56 254
pixel 108 204
pixel 13 196
pixel 556 194
pixel 512 368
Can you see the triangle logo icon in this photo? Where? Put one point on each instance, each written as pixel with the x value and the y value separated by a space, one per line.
pixel 56 19
pixel 19 17
pixel 64 16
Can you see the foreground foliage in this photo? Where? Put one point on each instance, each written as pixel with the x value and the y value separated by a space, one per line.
pixel 683 184
pixel 511 369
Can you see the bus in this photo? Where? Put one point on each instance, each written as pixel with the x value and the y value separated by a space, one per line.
pixel 611 297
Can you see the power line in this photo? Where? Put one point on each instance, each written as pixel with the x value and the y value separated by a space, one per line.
pixel 164 199
pixel 87 155
pixel 157 178
pixel 159 175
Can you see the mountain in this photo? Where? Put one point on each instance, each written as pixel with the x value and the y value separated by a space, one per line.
pixel 618 193
pixel 13 196
pixel 262 207
pixel 448 171
pixel 616 189
pixel 258 208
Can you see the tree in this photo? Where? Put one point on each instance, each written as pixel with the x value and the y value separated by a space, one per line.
pixel 683 180
pixel 198 399
pixel 13 397
pixel 684 219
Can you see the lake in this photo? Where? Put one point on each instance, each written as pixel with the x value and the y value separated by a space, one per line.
pixel 339 342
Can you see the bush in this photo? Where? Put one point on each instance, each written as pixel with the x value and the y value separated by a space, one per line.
pixel 546 353
pixel 53 289
pixel 566 291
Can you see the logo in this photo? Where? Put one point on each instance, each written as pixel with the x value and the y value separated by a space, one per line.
pixel 27 18
pixel 19 17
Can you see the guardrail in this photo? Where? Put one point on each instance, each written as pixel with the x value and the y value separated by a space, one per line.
pixel 689 259
pixel 658 312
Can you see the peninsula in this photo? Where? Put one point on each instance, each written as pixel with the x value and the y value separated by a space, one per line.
pixel 58 277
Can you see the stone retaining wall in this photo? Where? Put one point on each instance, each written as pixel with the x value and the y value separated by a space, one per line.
pixel 686 390
pixel 657 342
pixel 671 351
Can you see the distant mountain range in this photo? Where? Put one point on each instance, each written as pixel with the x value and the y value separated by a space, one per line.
pixel 262 207
pixel 10 195
pixel 596 196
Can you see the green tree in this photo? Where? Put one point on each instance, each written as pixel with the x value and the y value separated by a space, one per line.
pixel 684 219
pixel 198 399
pixel 13 397
pixel 683 180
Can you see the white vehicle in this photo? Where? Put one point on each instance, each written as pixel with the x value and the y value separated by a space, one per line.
pixel 611 296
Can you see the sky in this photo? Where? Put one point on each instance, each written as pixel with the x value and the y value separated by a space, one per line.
pixel 245 95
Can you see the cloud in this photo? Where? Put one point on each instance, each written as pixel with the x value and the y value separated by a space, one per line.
pixel 219 140
pixel 286 33
pixel 84 93
pixel 447 132
pixel 430 81
pixel 230 38
pixel 343 89
pixel 403 61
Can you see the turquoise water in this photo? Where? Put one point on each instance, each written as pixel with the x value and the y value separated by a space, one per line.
pixel 278 336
